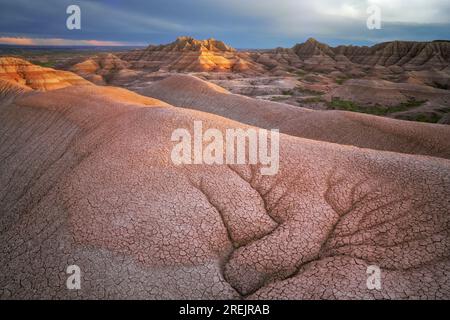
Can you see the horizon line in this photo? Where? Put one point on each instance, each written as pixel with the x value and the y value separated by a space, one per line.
pixel 62 42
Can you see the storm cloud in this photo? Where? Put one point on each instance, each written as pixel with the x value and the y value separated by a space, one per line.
pixel 241 23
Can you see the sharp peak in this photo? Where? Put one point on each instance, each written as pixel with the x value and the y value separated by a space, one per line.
pixel 184 38
pixel 191 41
pixel 189 38
pixel 313 42
pixel 311 39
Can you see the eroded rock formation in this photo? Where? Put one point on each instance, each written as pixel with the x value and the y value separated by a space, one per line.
pixel 86 178
pixel 104 69
pixel 341 127
pixel 26 74
pixel 187 54
pixel 406 54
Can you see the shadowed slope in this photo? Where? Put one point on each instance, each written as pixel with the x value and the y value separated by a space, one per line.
pixel 103 69
pixel 410 55
pixel 9 90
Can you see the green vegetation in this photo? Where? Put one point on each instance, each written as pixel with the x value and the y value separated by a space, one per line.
pixel 48 64
pixel 310 79
pixel 301 73
pixel 444 110
pixel 432 118
pixel 311 100
pixel 338 104
pixel 287 92
pixel 279 98
pixel 429 117
pixel 309 92
pixel 341 81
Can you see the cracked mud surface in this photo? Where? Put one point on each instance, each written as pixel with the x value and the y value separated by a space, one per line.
pixel 86 179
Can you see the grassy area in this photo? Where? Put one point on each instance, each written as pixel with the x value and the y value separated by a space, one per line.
pixel 311 100
pixel 279 98
pixel 287 92
pixel 444 110
pixel 432 118
pixel 301 73
pixel 341 80
pixel 310 79
pixel 48 64
pixel 309 92
pixel 338 104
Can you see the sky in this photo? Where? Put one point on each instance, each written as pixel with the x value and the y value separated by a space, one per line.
pixel 240 23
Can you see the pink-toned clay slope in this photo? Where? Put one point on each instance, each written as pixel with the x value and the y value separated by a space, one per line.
pixel 86 178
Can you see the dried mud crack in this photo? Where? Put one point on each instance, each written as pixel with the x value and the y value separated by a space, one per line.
pixel 86 178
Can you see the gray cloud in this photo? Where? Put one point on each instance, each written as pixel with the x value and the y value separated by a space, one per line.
pixel 242 23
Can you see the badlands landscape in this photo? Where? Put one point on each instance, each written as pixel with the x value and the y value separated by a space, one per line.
pixel 87 179
pixel 402 80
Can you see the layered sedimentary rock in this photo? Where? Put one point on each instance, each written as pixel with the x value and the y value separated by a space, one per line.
pixel 24 73
pixel 187 54
pixel 435 78
pixel 407 54
pixel 410 55
pixel 312 47
pixel 104 69
pixel 388 75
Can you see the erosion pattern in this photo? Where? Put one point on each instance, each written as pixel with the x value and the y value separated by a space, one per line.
pixel 102 69
pixel 408 54
pixel 26 74
pixel 399 79
pixel 333 126
pixel 87 179
pixel 187 54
